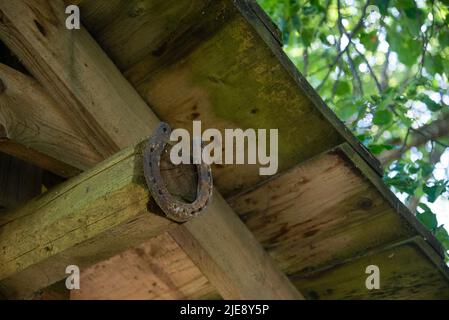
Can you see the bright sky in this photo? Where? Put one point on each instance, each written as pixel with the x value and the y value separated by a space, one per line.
pixel 441 206
pixel 441 209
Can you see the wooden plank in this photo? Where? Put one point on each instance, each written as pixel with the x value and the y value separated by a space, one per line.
pixel 77 73
pixel 156 269
pixel 394 202
pixel 82 221
pixel 330 210
pixel 406 272
pixel 224 251
pixel 131 31
pixel 33 120
pixel 230 79
pixel 104 211
pixel 231 257
pixel 319 213
pixel 56 291
pixel 107 110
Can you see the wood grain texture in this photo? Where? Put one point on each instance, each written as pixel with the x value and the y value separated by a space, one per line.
pixel 319 213
pixel 232 79
pixel 406 272
pixel 84 220
pixel 227 79
pixel 133 31
pixel 156 269
pixel 77 73
pixel 330 211
pixel 221 246
pixel 32 119
pixel 108 111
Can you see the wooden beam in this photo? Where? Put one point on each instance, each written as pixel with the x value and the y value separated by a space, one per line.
pixel 409 270
pixel 77 73
pixel 35 128
pixel 111 115
pixel 230 256
pixel 323 213
pixel 155 269
pixel 84 220
pixel 105 210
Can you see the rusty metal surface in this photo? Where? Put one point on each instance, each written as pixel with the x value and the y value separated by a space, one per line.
pixel 173 208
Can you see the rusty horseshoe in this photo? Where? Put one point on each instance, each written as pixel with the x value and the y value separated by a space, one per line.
pixel 173 208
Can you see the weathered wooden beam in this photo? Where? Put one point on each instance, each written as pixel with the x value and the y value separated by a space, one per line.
pixel 326 212
pixel 105 210
pixel 231 257
pixel 111 115
pixel 56 291
pixel 409 270
pixel 77 74
pixel 35 128
pixel 86 219
pixel 155 269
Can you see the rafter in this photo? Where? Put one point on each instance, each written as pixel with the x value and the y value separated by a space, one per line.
pixel 111 115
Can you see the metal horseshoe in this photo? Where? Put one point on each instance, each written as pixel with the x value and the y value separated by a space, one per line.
pixel 173 208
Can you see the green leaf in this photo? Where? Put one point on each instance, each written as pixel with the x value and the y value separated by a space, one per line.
pixel 307 36
pixel 411 16
pixel 369 40
pixel 433 64
pixel 431 105
pixel 382 5
pixel 407 48
pixel 427 217
pixel 308 10
pixel 343 88
pixel 402 183
pixel 346 111
pixel 442 235
pixel 443 38
pixel 383 117
pixel 378 148
pixel 434 191
pixel 426 167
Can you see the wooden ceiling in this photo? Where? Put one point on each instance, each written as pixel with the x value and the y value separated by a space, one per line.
pixel 322 219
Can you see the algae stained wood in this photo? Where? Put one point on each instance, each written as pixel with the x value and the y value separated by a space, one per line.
pixel 77 74
pixel 108 111
pixel 33 120
pixel 229 79
pixel 86 219
pixel 408 270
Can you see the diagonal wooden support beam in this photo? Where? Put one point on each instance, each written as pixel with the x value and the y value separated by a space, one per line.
pixel 37 131
pixel 82 221
pixel 110 114
pixel 106 210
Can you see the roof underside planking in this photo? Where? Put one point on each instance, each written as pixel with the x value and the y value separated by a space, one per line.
pixel 325 216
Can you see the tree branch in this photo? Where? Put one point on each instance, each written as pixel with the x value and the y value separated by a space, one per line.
pixel 418 137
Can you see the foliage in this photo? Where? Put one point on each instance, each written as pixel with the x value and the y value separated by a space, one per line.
pixel 383 67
